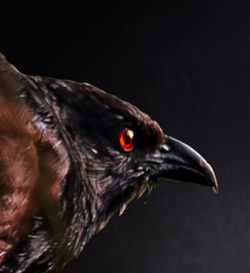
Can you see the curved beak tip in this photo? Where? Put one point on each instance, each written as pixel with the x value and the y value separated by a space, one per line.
pixel 211 176
pixel 215 189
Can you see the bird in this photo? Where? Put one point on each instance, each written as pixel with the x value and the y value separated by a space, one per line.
pixel 71 156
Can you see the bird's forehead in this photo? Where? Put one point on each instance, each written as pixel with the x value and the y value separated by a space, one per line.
pixel 123 110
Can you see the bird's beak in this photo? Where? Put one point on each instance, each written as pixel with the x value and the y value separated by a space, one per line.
pixel 177 161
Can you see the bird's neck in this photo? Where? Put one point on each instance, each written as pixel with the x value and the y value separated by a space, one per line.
pixel 75 220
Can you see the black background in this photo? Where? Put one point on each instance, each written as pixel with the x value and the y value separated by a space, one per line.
pixel 186 64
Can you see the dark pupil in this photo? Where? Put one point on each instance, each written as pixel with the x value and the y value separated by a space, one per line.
pixel 126 139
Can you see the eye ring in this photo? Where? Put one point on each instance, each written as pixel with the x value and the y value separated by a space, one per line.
pixel 126 139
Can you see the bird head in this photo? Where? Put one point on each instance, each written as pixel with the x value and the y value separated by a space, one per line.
pixel 95 153
pixel 123 151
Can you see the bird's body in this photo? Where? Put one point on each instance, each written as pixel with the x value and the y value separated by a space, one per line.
pixel 70 156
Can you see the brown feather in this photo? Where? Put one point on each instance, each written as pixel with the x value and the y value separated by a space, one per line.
pixel 18 174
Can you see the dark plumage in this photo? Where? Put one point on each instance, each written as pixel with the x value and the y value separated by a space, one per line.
pixel 70 156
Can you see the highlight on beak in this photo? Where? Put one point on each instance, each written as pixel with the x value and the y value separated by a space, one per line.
pixel 177 161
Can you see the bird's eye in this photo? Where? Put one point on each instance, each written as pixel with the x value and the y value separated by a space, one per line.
pixel 126 139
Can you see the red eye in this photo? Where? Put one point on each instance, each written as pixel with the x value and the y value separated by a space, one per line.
pixel 126 139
